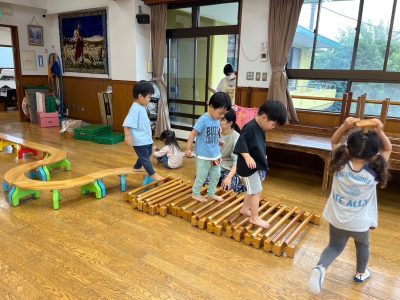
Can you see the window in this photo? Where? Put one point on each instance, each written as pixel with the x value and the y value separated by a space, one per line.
pixel 6 57
pixel 378 91
pixel 327 37
pixel 334 48
pixel 394 51
pixel 219 14
pixel 307 93
pixel 374 32
pixel 346 45
pixel 179 18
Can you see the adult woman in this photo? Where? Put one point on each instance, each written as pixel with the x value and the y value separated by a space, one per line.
pixel 228 83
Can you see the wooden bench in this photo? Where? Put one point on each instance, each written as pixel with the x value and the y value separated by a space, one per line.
pixel 23 186
pixel 307 141
pixel 316 140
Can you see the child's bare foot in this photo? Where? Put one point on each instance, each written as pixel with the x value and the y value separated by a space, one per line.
pixel 199 198
pixel 216 198
pixel 245 212
pixel 139 170
pixel 260 222
pixel 155 176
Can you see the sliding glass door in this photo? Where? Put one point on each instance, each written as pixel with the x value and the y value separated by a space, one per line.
pixel 201 40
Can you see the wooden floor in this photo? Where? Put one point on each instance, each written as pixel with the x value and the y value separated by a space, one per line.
pixel 103 249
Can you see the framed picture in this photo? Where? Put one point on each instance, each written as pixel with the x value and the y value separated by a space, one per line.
pixel 83 38
pixel 35 35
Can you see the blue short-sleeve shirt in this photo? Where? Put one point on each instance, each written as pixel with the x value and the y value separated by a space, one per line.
pixel 208 137
pixel 139 124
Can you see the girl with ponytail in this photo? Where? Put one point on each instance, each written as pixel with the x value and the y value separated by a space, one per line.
pixel 170 155
pixel 358 167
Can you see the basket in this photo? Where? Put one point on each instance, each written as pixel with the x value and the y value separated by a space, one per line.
pixel 109 138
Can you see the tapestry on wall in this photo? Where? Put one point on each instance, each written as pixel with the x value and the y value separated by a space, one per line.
pixel 83 37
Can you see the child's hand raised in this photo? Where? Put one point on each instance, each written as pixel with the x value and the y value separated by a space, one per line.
pixel 250 162
pixel 378 124
pixel 350 122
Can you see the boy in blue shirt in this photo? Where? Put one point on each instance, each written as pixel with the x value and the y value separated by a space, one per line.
pixel 251 151
pixel 208 154
pixel 137 129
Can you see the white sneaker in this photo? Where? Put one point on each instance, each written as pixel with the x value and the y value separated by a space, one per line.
pixel 362 277
pixel 316 279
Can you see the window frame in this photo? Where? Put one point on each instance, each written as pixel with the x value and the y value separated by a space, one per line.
pixel 197 32
pixel 351 74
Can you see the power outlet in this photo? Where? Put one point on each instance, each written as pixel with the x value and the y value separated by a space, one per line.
pixel 258 76
pixel 82 109
pixel 250 76
pixel 264 76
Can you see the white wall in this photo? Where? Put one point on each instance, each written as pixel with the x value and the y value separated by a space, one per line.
pixel 254 31
pixel 62 6
pixel 129 47
pixel 5 36
pixel 122 39
pixel 143 44
pixel 128 42
pixel 41 4
pixel 22 16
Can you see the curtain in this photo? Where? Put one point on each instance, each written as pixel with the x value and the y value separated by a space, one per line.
pixel 283 18
pixel 158 41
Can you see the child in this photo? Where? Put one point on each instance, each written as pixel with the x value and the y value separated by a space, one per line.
pixel 170 155
pixel 208 155
pixel 351 210
pixel 230 133
pixel 251 150
pixel 138 130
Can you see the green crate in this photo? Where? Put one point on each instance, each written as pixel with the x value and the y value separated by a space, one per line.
pixel 87 133
pixel 109 138
pixel 51 105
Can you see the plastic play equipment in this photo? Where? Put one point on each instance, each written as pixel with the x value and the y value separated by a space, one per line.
pixel 20 185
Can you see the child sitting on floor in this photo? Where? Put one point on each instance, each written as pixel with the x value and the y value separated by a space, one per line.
pixel 170 155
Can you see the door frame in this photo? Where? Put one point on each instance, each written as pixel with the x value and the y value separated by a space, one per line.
pixel 17 70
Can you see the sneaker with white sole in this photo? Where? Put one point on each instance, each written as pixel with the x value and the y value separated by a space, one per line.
pixel 362 277
pixel 316 279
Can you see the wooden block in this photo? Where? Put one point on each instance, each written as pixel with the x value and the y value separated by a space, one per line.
pixel 218 230
pixel 163 211
pixel 277 249
pixel 152 210
pixel 268 244
pixel 316 219
pixel 290 250
pixel 202 223
pixel 365 125
pixel 193 221
pixel 257 241
pixel 139 205
pixel 238 234
pixel 210 227
pixel 247 238
pixel 229 231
